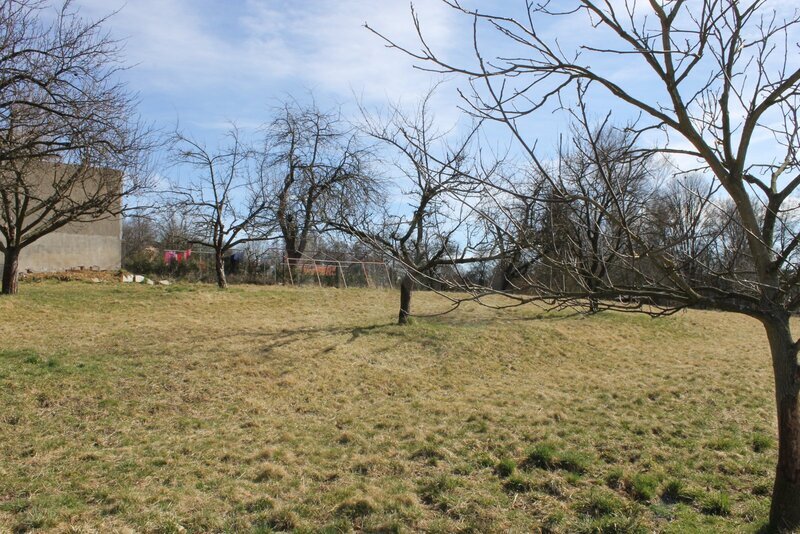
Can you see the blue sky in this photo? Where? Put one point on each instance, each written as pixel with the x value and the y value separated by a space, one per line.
pixel 204 63
pixel 207 62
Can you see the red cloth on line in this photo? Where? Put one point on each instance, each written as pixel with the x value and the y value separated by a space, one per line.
pixel 172 255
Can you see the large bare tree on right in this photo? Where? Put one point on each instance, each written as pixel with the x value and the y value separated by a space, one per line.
pixel 717 85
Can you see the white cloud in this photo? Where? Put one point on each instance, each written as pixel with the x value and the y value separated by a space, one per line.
pixel 183 45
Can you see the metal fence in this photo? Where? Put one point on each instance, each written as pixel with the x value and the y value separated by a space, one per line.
pixel 268 266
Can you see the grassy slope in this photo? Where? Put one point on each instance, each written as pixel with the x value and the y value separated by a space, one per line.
pixel 158 409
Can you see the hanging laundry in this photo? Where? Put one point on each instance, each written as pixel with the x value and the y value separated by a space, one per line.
pixel 170 256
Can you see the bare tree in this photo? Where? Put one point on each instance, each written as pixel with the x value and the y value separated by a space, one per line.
pixel 603 165
pixel 71 147
pixel 508 220
pixel 138 233
pixel 421 234
pixel 316 164
pixel 224 201
pixel 175 231
pixel 713 75
pixel 687 221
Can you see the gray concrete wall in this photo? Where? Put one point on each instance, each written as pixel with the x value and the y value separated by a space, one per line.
pixel 91 244
pixel 60 251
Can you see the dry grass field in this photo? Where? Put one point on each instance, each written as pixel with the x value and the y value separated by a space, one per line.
pixel 188 409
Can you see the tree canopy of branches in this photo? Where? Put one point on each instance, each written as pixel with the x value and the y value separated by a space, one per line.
pixel 65 123
pixel 138 233
pixel 596 197
pixel 315 165
pixel 421 234
pixel 225 201
pixel 713 76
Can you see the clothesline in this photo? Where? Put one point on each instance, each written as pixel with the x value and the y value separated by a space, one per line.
pixel 178 256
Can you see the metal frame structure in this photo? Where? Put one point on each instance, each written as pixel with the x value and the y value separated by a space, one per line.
pixel 292 266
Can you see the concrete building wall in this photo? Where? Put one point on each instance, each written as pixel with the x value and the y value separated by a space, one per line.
pixel 91 244
pixel 60 251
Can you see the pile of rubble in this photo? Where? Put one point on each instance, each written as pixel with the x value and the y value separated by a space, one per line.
pixel 91 275
pixel 126 278
pixel 76 275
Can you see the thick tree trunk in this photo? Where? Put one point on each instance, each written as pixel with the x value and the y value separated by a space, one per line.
pixel 10 266
pixel 406 286
pixel 222 282
pixel 785 511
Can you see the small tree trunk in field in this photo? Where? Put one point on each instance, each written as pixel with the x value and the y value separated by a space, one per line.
pixel 594 305
pixel 222 282
pixel 785 511
pixel 406 286
pixel 10 266
pixel 294 259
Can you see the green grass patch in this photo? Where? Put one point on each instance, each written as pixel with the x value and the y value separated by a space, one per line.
pixel 505 468
pixel 549 456
pixel 599 503
pixel 762 442
pixel 716 504
pixel 642 486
